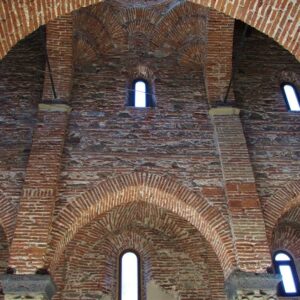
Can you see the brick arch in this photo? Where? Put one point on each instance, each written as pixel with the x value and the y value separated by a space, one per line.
pixel 152 189
pixel 8 215
pixel 282 201
pixel 118 220
pixel 287 237
pixel 278 19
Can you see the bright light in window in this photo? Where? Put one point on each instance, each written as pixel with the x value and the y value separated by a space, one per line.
pixel 291 97
pixel 129 277
pixel 282 257
pixel 287 279
pixel 140 94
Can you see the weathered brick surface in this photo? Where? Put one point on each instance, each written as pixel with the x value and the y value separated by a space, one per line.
pixel 4 253
pixel 36 206
pixel 278 19
pixel 218 66
pixel 154 179
pixel 21 77
pixel 148 188
pixel 272 133
pixel 59 37
pixel 247 223
pixel 172 253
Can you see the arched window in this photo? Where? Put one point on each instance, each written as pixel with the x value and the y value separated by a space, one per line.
pixel 284 265
pixel 291 96
pixel 129 283
pixel 140 94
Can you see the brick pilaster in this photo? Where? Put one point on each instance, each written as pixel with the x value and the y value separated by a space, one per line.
pixel 39 191
pixel 218 67
pixel 59 35
pixel 247 223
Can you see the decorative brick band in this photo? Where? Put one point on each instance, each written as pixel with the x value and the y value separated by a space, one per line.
pixel 36 192
pixel 281 202
pixel 152 189
pixel 262 15
pixel 8 215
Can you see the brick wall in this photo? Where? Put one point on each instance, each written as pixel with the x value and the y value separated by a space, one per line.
pixel 4 254
pixel 277 19
pixel 175 141
pixel 173 255
pixel 21 76
pixel 272 133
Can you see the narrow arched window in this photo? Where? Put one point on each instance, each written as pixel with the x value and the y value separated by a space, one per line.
pixel 291 96
pixel 140 94
pixel 129 276
pixel 284 265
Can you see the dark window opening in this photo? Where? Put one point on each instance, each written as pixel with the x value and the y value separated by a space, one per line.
pixel 284 265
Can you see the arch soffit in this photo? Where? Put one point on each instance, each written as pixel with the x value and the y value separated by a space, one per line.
pixel 281 202
pixel 278 19
pixel 152 189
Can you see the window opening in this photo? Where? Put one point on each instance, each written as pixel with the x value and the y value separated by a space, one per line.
pixel 140 94
pixel 291 97
pixel 285 266
pixel 129 276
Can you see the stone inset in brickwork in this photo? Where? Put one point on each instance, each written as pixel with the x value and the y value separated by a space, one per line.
pixel 242 285
pixel 38 287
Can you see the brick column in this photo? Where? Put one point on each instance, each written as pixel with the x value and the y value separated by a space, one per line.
pixel 249 286
pixel 246 218
pixel 34 218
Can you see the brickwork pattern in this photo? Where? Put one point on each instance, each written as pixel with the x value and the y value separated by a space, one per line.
pixel 59 37
pixel 146 188
pixel 272 133
pixel 278 19
pixel 163 241
pixel 116 160
pixel 34 218
pixel 251 248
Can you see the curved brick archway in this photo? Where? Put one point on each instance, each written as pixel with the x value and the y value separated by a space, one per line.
pixel 282 201
pixel 8 215
pixel 152 189
pixel 278 19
